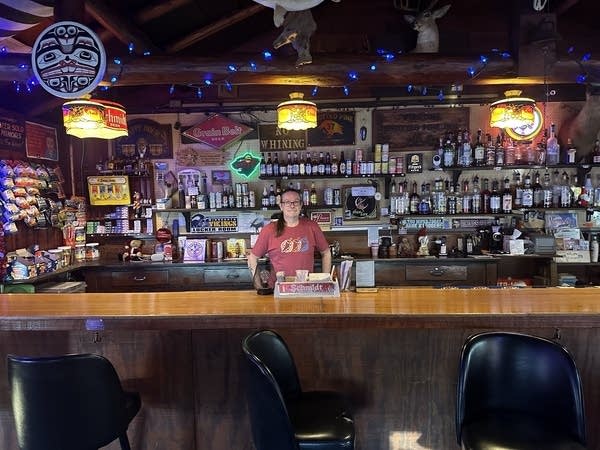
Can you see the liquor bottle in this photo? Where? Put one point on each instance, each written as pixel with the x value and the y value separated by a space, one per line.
pixel 571 153
pixel 490 151
pixel 538 191
pixel 449 153
pixel 321 166
pixel 342 168
pixel 566 195
pixel 476 196
pixel 495 199
pixel 308 165
pixel 552 148
pixel 467 198
pixel 596 152
pixel 451 199
pixel 438 198
pixel 272 198
pixel 459 198
pixel 425 203
pixel 295 165
pixel 499 149
pixel 327 163
pixel 467 149
pixel 265 197
pixel 507 197
pixel 479 150
pixel 485 197
pixel 517 189
pixel 302 166
pixel 276 171
pixel 575 189
pixel 510 153
pixel 269 166
pixel 290 165
pixel 305 196
pixel 548 191
pixel 556 183
pixel 283 168
pixel 585 198
pixel 414 199
pixel 263 165
pixel 313 194
pixel 527 194
pixel 334 165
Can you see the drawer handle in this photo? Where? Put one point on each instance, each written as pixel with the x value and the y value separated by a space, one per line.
pixel 139 278
pixel 437 272
pixel 232 276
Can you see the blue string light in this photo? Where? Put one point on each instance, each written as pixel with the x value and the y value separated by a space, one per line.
pixel 147 53
pixel 231 68
pixel 171 89
pixel 131 48
pixel 315 91
pixel 267 55
pixel 346 91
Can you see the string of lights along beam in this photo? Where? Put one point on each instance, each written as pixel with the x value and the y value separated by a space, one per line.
pixel 382 57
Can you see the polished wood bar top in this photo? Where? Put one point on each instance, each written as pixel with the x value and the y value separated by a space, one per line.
pixel 387 308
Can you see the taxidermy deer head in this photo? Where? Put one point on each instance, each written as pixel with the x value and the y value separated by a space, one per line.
pixel 428 39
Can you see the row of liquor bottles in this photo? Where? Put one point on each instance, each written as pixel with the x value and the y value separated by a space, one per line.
pixel 325 164
pixel 556 190
pixel 458 150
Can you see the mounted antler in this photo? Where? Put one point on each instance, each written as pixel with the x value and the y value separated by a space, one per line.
pixel 428 39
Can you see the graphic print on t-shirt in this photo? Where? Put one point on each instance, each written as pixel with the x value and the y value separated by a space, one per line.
pixel 294 245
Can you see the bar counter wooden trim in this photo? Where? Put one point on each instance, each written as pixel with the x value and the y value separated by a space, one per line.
pixel 387 308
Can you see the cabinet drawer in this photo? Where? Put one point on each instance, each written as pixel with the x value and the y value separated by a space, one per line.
pixel 227 276
pixel 436 272
pixel 140 278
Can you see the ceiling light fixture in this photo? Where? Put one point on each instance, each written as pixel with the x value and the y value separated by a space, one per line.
pixel 512 111
pixel 89 118
pixel 296 113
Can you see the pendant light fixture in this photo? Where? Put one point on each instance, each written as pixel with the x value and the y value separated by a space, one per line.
pixel 296 113
pixel 512 111
pixel 89 118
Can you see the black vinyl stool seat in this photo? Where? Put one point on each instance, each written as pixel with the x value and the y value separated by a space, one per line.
pixel 282 416
pixel 70 402
pixel 517 391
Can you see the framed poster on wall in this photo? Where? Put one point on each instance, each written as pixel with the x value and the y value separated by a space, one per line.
pixel 360 202
pixel 147 139
pixel 416 128
pixel 333 128
pixel 40 141
pixel 109 190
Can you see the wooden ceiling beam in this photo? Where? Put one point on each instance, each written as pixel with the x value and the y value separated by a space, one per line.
pixel 149 13
pixel 213 28
pixel 119 27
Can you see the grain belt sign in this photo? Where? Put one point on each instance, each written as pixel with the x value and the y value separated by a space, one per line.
pixel 416 128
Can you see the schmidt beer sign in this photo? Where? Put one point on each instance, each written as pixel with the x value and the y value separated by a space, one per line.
pixel 217 131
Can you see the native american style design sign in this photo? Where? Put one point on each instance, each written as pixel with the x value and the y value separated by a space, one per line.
pixel 68 59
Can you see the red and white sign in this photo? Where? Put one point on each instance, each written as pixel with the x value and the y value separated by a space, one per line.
pixel 217 131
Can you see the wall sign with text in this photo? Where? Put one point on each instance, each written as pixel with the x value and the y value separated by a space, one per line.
pixel 333 128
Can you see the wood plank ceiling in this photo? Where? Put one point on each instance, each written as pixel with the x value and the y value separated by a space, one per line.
pixel 190 40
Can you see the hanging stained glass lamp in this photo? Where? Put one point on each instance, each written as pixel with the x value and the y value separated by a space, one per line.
pixel 512 111
pixel 296 113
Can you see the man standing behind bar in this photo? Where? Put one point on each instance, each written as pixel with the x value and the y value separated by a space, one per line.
pixel 290 242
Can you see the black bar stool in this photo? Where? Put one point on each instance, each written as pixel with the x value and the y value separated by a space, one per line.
pixel 517 391
pixel 69 402
pixel 282 416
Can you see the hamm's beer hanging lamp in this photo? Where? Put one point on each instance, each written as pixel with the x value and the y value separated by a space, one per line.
pixel 94 118
pixel 513 111
pixel 69 61
pixel 296 113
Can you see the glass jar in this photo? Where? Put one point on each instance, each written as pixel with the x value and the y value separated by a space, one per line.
pixel 66 254
pixel 79 252
pixel 92 251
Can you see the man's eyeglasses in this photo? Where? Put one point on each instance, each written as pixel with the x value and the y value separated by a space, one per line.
pixel 291 204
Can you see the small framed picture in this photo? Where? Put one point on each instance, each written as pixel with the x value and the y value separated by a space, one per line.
pixel 221 177
pixel 321 217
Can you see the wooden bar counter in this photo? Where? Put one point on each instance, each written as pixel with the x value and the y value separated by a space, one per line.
pixel 395 352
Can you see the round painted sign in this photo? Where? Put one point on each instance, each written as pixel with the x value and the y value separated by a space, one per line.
pixel 68 59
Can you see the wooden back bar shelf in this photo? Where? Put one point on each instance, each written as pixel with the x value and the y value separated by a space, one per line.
pixel 394 351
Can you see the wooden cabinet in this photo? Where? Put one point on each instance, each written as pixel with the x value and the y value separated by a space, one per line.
pixel 436 272
pixel 148 277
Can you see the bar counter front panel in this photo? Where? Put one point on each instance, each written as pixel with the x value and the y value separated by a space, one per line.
pixel 395 352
